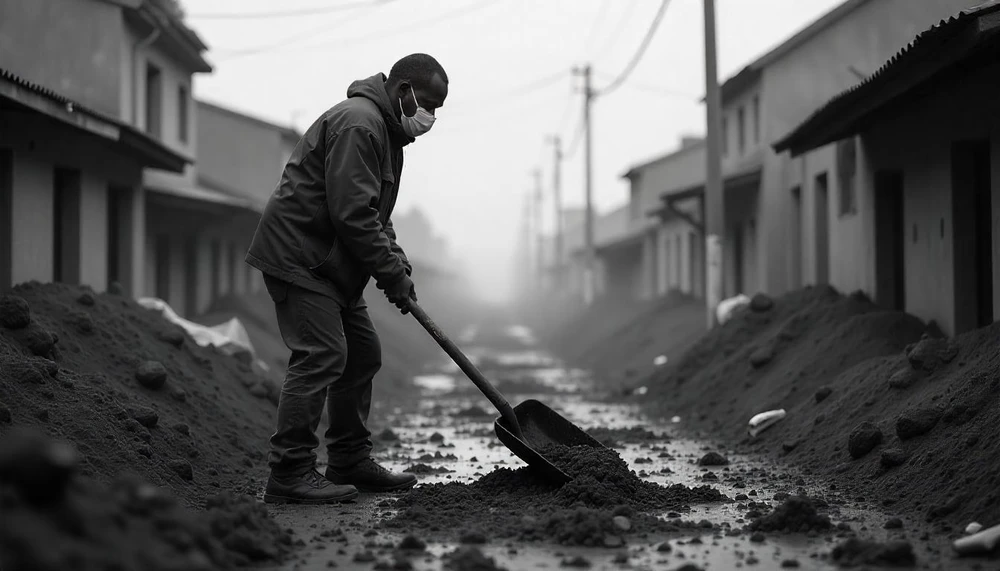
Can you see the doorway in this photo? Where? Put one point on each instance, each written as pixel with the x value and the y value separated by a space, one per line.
pixel 66 226
pixel 890 240
pixel 795 242
pixel 822 221
pixel 6 218
pixel 973 235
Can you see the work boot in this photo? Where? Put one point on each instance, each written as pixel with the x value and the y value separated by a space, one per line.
pixel 309 488
pixel 370 477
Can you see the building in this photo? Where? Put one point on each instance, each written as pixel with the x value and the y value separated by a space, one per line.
pixel 925 203
pixel 71 154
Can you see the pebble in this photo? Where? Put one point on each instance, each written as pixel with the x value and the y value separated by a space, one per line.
pixel 86 298
pixel 14 312
pixel 145 416
pixel 892 457
pixel 757 537
pixel 917 421
pixel 151 375
pixel 823 393
pixel 893 523
pixel 182 468
pixel 713 459
pixel 863 439
pixel 622 522
pixel 412 543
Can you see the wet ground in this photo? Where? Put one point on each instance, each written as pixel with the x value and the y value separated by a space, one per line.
pixel 439 432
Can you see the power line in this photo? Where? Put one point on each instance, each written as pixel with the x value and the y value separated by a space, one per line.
pixel 652 88
pixel 285 13
pixel 639 53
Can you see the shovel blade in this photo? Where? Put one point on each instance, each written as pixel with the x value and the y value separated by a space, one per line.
pixel 542 427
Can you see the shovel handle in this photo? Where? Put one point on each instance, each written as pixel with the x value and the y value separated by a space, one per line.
pixel 470 370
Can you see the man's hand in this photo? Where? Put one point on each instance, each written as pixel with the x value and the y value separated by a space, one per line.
pixel 400 294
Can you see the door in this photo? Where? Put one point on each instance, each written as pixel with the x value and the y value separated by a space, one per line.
pixel 822 225
pixel 890 240
pixel 737 260
pixel 66 226
pixel 795 238
pixel 973 236
pixel 6 218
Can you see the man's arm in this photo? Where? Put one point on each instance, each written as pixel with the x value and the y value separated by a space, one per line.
pixel 391 233
pixel 353 184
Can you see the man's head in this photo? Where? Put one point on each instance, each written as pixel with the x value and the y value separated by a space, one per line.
pixel 416 80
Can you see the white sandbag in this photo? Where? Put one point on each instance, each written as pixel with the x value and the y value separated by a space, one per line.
pixel 230 337
pixel 980 543
pixel 763 421
pixel 724 311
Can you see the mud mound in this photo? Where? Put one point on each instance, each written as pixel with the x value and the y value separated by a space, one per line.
pixel 934 402
pixel 54 519
pixel 855 552
pixel 796 515
pixel 134 395
pixel 517 503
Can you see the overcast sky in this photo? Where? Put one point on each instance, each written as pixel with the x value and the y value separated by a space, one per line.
pixel 509 66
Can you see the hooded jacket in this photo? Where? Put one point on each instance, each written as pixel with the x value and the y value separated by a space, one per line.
pixel 326 226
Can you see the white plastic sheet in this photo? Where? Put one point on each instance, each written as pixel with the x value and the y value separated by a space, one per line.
pixel 230 337
pixel 724 311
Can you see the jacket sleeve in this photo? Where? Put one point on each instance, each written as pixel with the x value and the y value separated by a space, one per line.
pixel 391 233
pixel 353 184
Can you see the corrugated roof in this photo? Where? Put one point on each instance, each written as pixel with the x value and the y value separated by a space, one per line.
pixel 155 153
pixel 202 194
pixel 909 66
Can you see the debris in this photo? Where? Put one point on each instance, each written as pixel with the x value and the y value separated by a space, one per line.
pixel 468 558
pixel 863 439
pixel 796 514
pixel 660 360
pixel 917 421
pixel 14 312
pixel 893 523
pixel 892 457
pixel 151 375
pixel 726 308
pixel 145 416
pixel 982 542
pixel 436 438
pixel 622 522
pixel 973 528
pixel 421 468
pixel 762 356
pixel 857 551
pixel 182 468
pixel 675 419
pixel 412 543
pixel 823 393
pixel 640 391
pixel 930 353
pixel 713 459
pixel 763 421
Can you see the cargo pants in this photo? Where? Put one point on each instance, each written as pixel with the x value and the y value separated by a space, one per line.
pixel 335 354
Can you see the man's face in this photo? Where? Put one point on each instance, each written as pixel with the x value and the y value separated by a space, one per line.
pixel 430 98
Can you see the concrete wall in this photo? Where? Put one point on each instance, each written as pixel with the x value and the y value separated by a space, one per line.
pixel 795 85
pixel 917 140
pixel 69 46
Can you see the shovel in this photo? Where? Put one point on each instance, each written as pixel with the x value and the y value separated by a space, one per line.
pixel 525 428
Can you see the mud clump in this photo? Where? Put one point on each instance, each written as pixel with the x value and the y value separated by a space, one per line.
pixel 14 312
pixel 713 459
pixel 917 421
pixel 796 515
pixel 892 457
pixel 520 504
pixel 469 558
pixel 424 469
pixel 930 354
pixel 855 552
pixel 151 375
pixel 863 439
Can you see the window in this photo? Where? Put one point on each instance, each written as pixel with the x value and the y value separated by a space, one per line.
pixel 182 114
pixel 741 130
pixel 846 175
pixel 756 118
pixel 725 136
pixel 154 100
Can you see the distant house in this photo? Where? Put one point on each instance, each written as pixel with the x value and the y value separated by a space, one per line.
pixel 925 202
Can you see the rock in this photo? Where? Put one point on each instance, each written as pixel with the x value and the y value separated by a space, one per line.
pixel 761 302
pixel 790 564
pixel 757 537
pixel 917 421
pixel 173 337
pixel 387 434
pixel 14 312
pixel 436 438
pixel 664 547
pixel 144 450
pixel 863 439
pixel 37 465
pixel 621 522
pixel 822 393
pixel 151 375
pixel 472 537
pixel 39 341
pixel 789 445
pixel 412 543
pixel 86 298
pixel 930 353
pixel 145 416
pixel 178 394
pixel 183 429
pixel 115 288
pixel 260 390
pixel 762 356
pixel 893 523
pixel 83 322
pixel 893 457
pixel 904 378
pixel 713 459
pixel 182 468
pixel 947 508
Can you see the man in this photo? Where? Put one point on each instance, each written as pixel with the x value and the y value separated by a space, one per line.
pixel 324 233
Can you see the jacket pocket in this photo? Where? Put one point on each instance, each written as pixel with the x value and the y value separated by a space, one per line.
pixel 329 256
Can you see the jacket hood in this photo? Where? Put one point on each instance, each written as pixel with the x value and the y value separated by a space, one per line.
pixel 373 89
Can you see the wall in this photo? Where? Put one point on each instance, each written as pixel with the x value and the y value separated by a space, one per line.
pixel 69 46
pixel 93 243
pixel 239 153
pixel 966 110
pixel 800 81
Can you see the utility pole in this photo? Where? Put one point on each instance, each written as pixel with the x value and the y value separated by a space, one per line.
pixel 539 235
pixel 557 198
pixel 589 256
pixel 714 195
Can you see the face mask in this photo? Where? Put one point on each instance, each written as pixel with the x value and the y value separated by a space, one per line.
pixel 420 123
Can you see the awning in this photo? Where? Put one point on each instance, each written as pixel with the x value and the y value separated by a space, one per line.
pixel 932 56
pixel 123 138
pixel 747 176
pixel 193 196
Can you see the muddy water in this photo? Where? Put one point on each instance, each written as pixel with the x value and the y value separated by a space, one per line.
pixel 351 537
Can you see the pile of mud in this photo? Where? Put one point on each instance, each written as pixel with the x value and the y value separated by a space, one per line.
pixel 923 410
pixel 604 501
pixel 132 392
pixel 796 515
pixel 619 342
pixel 54 519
